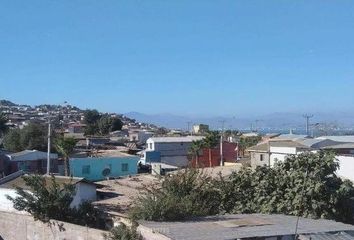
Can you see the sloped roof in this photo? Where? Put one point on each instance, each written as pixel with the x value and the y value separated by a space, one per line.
pixel 327 236
pixel 288 144
pixel 30 155
pixel 317 143
pixel 293 137
pixel 262 147
pixel 349 138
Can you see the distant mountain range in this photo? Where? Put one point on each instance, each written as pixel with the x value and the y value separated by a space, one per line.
pixel 276 121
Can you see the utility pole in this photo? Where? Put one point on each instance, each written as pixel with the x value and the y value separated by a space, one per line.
pixel 188 130
pixel 307 117
pixel 48 152
pixel 221 143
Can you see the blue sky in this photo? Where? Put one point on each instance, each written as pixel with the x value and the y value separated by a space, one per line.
pixel 182 57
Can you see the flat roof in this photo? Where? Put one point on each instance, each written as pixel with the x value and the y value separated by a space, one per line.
pixel 61 180
pixel 243 226
pixel 176 139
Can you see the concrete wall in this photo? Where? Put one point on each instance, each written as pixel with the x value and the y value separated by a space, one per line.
pixel 256 159
pixel 84 192
pixel 346 167
pixel 21 227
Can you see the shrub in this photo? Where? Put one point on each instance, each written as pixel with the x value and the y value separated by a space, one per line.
pixel 123 232
pixel 183 195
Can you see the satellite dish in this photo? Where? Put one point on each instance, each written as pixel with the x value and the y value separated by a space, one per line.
pixel 106 172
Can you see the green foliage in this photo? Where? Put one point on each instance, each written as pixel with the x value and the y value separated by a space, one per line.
pixel 65 147
pixel 116 125
pixel 211 140
pixel 123 232
pixel 100 124
pixel 91 116
pixel 3 126
pixel 12 140
pixel 304 185
pixel 246 142
pixel 186 194
pixel 32 136
pixel 108 124
pixel 195 149
pixel 47 200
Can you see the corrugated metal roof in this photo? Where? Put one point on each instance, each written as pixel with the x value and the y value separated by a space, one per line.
pixel 327 236
pixel 243 226
pixel 339 138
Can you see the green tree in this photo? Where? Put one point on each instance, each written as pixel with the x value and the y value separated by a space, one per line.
pixel 117 124
pixel 91 116
pixel 209 142
pixel 304 185
pixel 48 200
pixel 195 149
pixel 186 194
pixel 104 125
pixel 32 136
pixel 12 140
pixel 65 147
pixel 246 142
pixel 3 122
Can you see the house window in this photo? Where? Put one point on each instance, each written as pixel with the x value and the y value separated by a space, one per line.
pixel 125 167
pixel 86 169
pixel 261 157
pixel 150 145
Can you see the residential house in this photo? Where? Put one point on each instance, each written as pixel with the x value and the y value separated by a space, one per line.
pixel 268 153
pixel 140 136
pixel 105 164
pixel 247 227
pixel 84 190
pixel 211 157
pixel 169 150
pixel 32 161
pixel 200 128
pixel 76 128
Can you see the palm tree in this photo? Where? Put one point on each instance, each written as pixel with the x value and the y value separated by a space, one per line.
pixel 195 149
pixel 211 141
pixel 65 147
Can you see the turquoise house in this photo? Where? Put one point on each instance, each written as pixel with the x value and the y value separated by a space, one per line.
pixel 99 168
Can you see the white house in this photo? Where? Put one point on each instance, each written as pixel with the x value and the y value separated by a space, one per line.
pixel 268 153
pixel 168 150
pixel 84 190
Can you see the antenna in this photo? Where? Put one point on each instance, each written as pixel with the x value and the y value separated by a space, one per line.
pixel 307 117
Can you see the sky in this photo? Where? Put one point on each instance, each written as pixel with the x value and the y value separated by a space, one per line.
pixel 187 57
